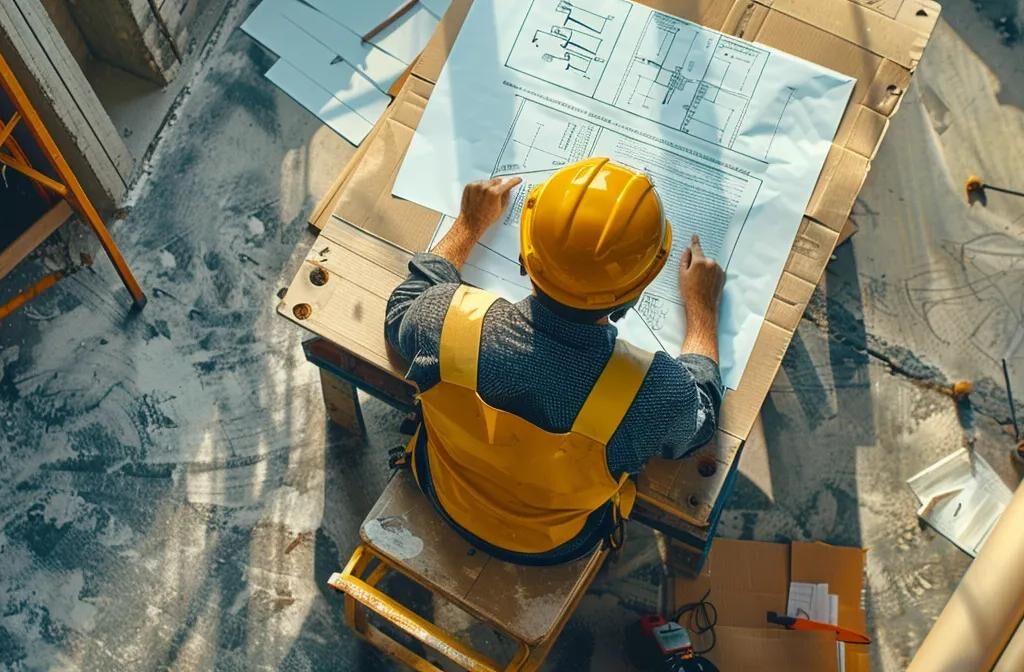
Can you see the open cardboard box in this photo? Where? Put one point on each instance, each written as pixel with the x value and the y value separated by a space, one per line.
pixel 879 42
pixel 747 579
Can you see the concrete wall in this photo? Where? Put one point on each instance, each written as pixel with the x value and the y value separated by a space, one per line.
pixel 60 14
pixel 134 35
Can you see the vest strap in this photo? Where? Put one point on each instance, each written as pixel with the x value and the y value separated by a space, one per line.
pixel 460 335
pixel 613 393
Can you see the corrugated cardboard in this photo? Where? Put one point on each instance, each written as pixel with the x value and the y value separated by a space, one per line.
pixel 877 41
pixel 747 579
pixel 738 649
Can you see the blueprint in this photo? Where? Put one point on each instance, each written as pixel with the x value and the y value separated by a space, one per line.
pixel 733 135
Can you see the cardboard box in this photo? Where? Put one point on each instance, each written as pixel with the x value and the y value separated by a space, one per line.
pixel 747 579
pixel 877 41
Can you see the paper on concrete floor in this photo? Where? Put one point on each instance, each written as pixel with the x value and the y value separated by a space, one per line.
pixel 286 39
pixel 379 66
pixel 303 90
pixel 733 134
pixel 962 498
pixel 404 39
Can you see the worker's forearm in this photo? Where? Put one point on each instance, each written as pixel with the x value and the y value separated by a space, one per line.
pixel 701 334
pixel 457 243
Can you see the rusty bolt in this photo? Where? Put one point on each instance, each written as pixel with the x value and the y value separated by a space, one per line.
pixel 318 277
pixel 962 388
pixel 1020 451
pixel 706 467
pixel 694 502
pixel 302 311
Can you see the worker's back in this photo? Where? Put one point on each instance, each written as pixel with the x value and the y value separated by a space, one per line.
pixel 540 368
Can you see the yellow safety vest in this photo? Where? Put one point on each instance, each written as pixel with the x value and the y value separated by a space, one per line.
pixel 505 480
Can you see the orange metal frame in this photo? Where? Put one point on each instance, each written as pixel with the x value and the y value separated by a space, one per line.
pixel 66 186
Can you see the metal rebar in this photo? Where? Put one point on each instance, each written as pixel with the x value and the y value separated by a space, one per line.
pixel 1009 396
pixel 1012 192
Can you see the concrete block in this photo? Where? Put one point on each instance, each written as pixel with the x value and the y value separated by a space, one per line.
pixel 130 34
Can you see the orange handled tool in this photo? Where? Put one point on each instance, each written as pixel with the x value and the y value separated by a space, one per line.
pixel 842 634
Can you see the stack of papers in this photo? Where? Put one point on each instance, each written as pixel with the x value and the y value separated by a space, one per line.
pixel 962 497
pixel 813 602
pixel 324 65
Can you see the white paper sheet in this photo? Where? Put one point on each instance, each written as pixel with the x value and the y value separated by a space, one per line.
pixel 733 134
pixel 269 27
pixel 404 39
pixel 437 7
pixel 361 16
pixel 303 90
pixel 962 497
pixel 809 600
pixel 379 66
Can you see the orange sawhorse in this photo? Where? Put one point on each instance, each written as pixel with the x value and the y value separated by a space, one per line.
pixel 67 187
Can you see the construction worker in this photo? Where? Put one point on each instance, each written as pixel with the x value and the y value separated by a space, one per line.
pixel 533 415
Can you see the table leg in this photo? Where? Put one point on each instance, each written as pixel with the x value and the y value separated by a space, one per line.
pixel 342 402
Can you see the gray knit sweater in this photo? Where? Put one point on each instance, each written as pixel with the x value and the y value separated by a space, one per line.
pixel 541 367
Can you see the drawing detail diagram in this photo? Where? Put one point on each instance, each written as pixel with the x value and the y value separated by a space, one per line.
pixel 673 72
pixel 568 42
pixel 689 78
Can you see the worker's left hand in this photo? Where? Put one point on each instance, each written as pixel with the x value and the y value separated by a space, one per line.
pixel 484 202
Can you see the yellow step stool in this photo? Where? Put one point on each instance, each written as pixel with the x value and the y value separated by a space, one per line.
pixel 403 533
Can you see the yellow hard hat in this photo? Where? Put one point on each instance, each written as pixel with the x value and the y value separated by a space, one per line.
pixel 594 235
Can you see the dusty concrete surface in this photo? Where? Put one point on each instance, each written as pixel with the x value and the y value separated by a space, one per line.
pixel 172 497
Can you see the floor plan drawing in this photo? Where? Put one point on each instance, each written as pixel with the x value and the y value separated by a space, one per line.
pixel 568 42
pixel 689 78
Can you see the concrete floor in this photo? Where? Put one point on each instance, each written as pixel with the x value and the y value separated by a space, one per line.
pixel 172 496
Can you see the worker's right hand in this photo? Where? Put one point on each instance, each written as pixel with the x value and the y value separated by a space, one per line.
pixel 484 202
pixel 701 280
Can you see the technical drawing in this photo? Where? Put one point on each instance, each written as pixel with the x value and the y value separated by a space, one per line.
pixel 690 79
pixel 577 50
pixel 580 16
pixel 568 42
pixel 543 139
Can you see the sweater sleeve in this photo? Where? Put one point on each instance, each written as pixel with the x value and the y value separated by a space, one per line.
pixel 415 315
pixel 425 271
pixel 675 412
